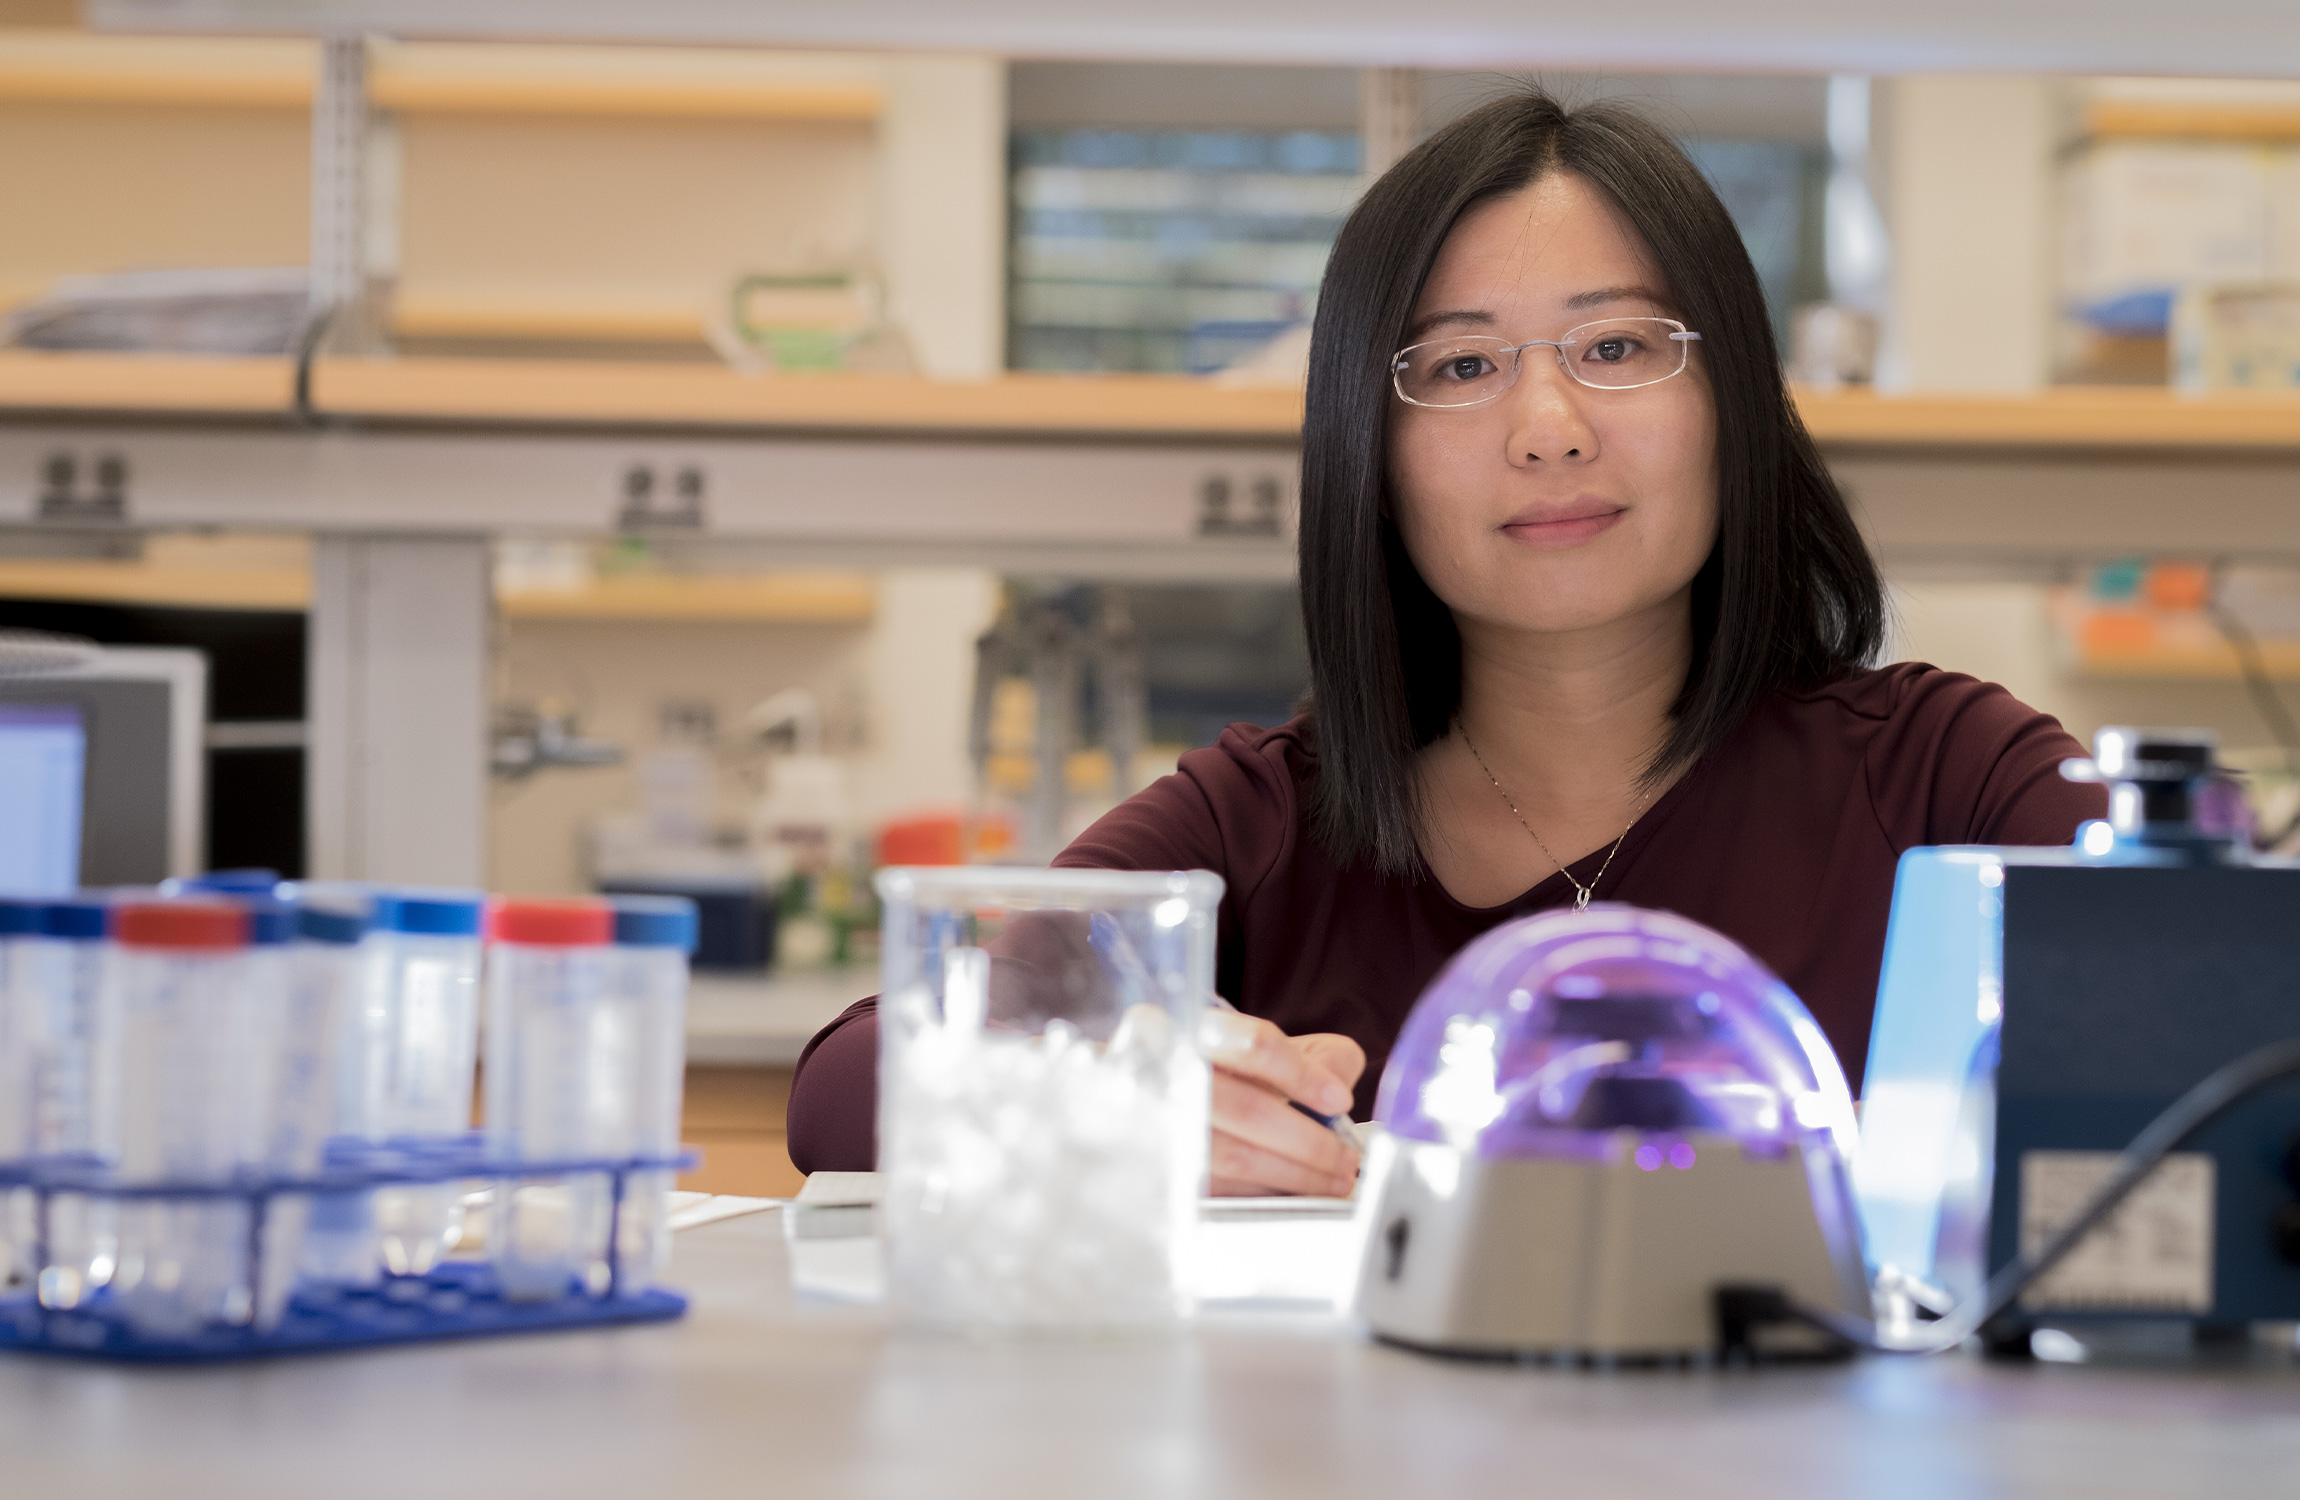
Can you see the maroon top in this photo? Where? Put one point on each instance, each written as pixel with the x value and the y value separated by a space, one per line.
pixel 1784 838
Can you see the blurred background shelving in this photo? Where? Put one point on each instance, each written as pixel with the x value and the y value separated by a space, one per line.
pixel 522 188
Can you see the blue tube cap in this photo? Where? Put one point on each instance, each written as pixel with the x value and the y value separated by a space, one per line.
pixel 320 924
pixel 332 911
pixel 20 915
pixel 247 882
pixel 655 922
pixel 269 921
pixel 81 919
pixel 431 912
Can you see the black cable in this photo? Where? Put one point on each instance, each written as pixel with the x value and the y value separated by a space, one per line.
pixel 2253 667
pixel 2182 1120
pixel 306 351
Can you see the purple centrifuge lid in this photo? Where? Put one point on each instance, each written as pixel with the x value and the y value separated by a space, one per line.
pixel 1552 1032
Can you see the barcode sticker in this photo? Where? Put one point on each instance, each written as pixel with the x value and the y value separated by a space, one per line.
pixel 2154 1252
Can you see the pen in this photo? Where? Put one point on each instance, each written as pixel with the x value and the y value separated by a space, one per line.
pixel 1341 1125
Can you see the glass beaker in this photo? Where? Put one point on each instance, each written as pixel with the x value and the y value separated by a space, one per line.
pixel 1042 1100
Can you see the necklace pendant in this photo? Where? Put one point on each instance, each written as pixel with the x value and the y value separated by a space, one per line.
pixel 1581 898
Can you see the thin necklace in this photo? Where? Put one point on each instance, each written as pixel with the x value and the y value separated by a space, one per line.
pixel 1581 893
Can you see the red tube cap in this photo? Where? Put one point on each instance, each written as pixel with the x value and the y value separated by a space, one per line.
pixel 180 924
pixel 552 924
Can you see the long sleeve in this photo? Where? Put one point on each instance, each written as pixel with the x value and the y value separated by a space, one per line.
pixel 1962 761
pixel 833 1119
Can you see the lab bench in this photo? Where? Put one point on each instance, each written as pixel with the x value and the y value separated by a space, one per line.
pixel 759 1392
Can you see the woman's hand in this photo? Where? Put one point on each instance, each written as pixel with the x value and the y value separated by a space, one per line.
pixel 1262 1144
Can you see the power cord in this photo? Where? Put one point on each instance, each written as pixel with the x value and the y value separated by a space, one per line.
pixel 304 412
pixel 2262 687
pixel 1743 1309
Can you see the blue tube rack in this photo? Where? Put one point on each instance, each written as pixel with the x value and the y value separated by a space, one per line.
pixel 456 1299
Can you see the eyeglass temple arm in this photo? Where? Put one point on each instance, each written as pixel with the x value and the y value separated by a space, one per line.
pixel 1686 337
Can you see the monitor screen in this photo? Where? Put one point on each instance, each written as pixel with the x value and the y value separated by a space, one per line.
pixel 43 758
pixel 126 794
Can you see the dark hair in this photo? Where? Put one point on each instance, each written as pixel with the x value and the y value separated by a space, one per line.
pixel 1788 596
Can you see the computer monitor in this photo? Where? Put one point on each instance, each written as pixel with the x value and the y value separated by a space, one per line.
pixel 103 771
pixel 43 751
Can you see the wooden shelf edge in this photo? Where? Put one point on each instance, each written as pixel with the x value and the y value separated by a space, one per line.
pixel 144 384
pixel 76 67
pixel 662 599
pixel 135 88
pixel 138 583
pixel 66 67
pixel 584 391
pixel 2282 661
pixel 481 392
pixel 2066 417
pixel 2148 119
pixel 420 315
pixel 830 104
pixel 700 599
pixel 572 392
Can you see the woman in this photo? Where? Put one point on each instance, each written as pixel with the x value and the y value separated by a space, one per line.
pixel 1587 618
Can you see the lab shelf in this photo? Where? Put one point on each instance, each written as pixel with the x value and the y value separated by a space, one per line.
pixel 438 390
pixel 809 500
pixel 528 393
pixel 136 583
pixel 649 598
pixel 2137 640
pixel 2068 417
pixel 71 67
pixel 66 67
pixel 2281 660
pixel 2189 120
pixel 144 385
pixel 422 313
pixel 727 598
pixel 443 78
pixel 1111 476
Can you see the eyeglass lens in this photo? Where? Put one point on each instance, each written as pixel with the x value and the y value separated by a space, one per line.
pixel 1615 354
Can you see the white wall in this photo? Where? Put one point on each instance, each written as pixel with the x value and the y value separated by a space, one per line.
pixel 942 210
pixel 917 666
pixel 1997 631
pixel 2002 631
pixel 1968 197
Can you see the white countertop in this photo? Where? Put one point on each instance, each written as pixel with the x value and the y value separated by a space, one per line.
pixel 766 1021
pixel 758 1393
